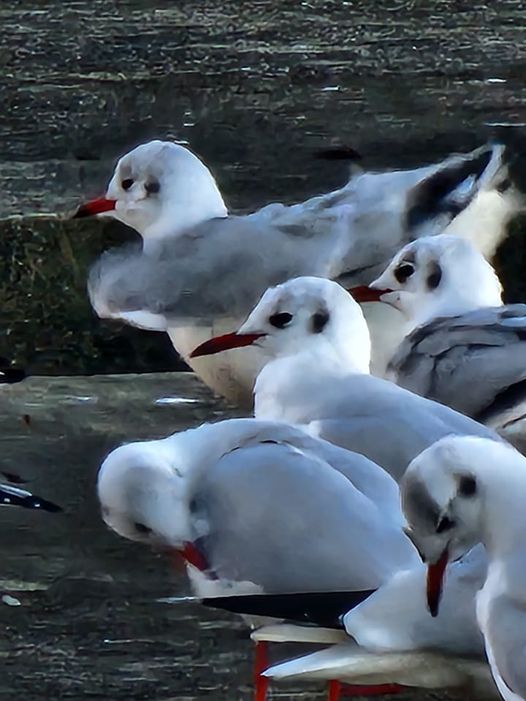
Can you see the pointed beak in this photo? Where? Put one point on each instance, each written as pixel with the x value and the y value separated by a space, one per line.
pixel 188 553
pixel 435 580
pixel 194 556
pixel 363 293
pixel 93 207
pixel 226 342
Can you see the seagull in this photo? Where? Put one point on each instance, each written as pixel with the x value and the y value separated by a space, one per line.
pixel 199 269
pixel 463 347
pixel 465 490
pixel 259 508
pixel 315 339
pixel 393 640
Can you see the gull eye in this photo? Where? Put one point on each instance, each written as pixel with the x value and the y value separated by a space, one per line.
pixel 279 321
pixel 404 271
pixel 142 529
pixel 467 486
pixel 127 183
pixel 152 188
pixel 445 524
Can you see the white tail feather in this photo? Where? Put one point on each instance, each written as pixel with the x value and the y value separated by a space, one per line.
pixel 290 633
pixel 351 664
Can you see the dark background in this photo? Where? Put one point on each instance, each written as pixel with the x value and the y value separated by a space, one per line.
pixel 255 87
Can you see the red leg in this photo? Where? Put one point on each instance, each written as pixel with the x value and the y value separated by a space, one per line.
pixel 260 665
pixel 337 690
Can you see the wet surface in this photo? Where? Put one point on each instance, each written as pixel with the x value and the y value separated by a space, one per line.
pixel 250 85
pixel 255 87
pixel 89 623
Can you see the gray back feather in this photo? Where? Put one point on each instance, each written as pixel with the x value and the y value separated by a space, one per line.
pixel 286 519
pixel 465 361
pixel 506 637
pixel 222 267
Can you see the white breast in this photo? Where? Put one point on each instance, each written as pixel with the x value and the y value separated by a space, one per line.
pixel 230 374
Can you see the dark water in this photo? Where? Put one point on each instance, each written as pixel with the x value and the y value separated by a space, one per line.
pixel 255 86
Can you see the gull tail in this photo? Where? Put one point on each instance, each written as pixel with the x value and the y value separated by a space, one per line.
pixel 450 187
pixel 290 633
pixel 350 664
pixel 474 195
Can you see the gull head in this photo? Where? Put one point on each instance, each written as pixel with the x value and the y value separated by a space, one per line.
pixel 442 498
pixel 160 189
pixel 143 495
pixel 302 314
pixel 436 276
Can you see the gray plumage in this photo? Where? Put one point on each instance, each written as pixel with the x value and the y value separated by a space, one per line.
pixel 374 417
pixel 469 362
pixel 504 636
pixel 221 267
pixel 265 503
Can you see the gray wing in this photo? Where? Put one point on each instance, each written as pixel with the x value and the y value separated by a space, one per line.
pixel 469 362
pixel 222 267
pixel 505 637
pixel 365 475
pixel 384 422
pixel 396 616
pixel 289 522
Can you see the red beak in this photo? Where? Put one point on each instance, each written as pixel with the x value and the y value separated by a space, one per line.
pixel 226 342
pixel 93 207
pixel 363 293
pixel 194 556
pixel 435 579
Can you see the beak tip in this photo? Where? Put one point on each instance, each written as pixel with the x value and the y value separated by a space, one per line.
pixel 433 608
pixel 80 213
pixel 228 341
pixel 365 293
pixel 94 207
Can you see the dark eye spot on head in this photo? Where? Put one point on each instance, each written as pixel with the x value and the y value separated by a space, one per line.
pixel 141 528
pixel 444 524
pixel 467 486
pixel 280 320
pixel 404 271
pixel 319 320
pixel 434 276
pixel 504 185
pixel 152 188
pixel 127 183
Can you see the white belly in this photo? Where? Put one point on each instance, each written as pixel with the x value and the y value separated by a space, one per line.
pixel 386 326
pixel 230 374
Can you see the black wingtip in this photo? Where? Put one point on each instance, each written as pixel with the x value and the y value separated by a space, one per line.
pixel 10 376
pixel 431 197
pixel 44 505
pixel 11 496
pixel 318 608
pixel 339 153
